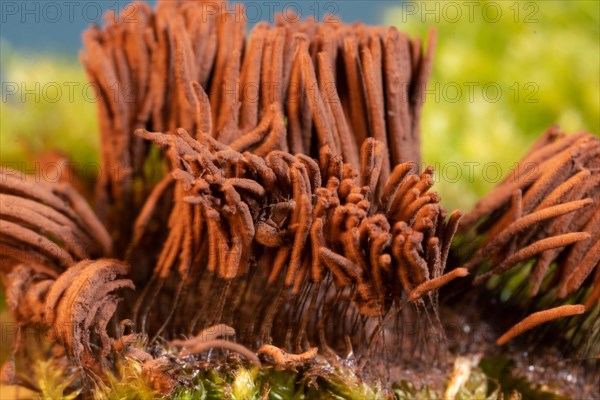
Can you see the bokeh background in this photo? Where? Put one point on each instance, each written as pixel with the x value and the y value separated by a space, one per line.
pixel 504 71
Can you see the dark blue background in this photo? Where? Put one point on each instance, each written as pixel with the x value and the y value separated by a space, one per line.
pixel 56 26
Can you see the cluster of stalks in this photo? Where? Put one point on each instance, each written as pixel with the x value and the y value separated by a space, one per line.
pixel 49 226
pixel 264 107
pixel 545 216
pixel 315 237
pixel 290 211
pixel 295 86
pixel 50 257
pixel 270 219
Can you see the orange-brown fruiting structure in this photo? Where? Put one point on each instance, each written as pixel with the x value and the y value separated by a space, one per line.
pixel 544 216
pixel 290 210
pixel 292 206
pixel 295 86
pixel 547 210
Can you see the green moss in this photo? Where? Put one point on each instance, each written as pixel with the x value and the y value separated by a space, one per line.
pixel 342 383
pixel 244 383
pixel 492 379
pixel 127 383
pixel 53 382
pixel 405 390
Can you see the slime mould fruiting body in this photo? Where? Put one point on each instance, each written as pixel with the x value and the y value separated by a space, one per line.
pixel 268 193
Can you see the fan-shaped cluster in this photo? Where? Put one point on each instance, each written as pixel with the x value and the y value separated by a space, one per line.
pixel 76 306
pixel 293 88
pixel 546 212
pixel 48 226
pixel 48 236
pixel 80 304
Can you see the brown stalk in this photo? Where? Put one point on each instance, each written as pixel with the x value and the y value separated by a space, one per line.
pixel 538 318
pixel 436 283
pixel 523 223
pixel 282 358
pixel 532 250
pixel 222 344
pixel 589 262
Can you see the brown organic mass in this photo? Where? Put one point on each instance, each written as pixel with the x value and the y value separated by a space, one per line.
pixel 269 191
pixel 295 86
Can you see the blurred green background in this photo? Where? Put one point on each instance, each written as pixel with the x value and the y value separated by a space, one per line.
pixel 504 71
